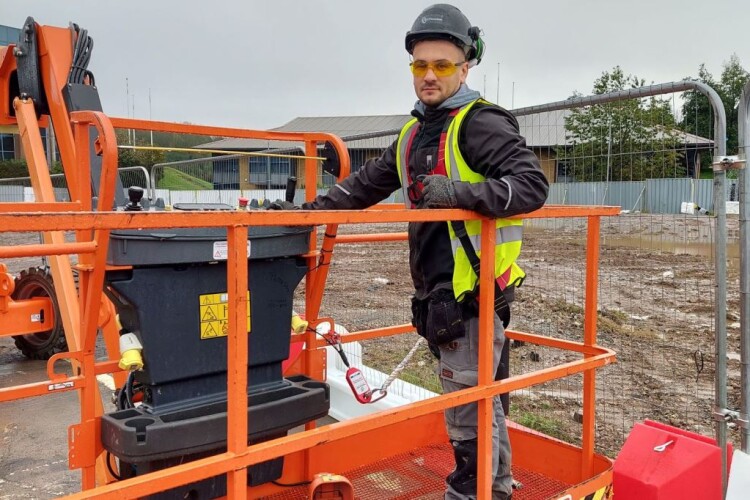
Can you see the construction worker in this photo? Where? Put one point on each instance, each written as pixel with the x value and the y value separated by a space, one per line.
pixel 459 151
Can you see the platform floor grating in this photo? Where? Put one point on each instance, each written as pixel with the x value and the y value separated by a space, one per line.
pixel 420 475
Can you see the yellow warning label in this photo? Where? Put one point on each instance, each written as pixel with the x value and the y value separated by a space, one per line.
pixel 214 314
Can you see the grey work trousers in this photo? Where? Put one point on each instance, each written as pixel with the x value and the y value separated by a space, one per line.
pixel 458 370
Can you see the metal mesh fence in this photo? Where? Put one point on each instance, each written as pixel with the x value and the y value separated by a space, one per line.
pixel 620 141
pixel 656 279
pixel 656 309
pixel 18 189
pixel 259 174
pixel 135 176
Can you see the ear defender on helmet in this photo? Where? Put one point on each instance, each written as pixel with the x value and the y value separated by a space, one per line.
pixel 477 47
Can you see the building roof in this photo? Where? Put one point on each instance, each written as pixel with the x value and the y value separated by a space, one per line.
pixel 545 129
pixel 342 126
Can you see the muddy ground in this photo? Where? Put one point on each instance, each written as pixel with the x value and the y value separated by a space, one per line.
pixel 656 303
pixel 656 310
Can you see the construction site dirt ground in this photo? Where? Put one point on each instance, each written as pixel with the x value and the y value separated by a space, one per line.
pixel 656 310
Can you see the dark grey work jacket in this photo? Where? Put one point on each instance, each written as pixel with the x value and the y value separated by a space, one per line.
pixel 491 145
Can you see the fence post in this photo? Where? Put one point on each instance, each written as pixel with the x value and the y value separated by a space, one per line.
pixel 744 188
pixel 720 319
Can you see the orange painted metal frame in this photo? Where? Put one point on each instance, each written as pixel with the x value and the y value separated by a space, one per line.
pixel 239 455
pixel 83 318
pixel 17 317
pixel 235 222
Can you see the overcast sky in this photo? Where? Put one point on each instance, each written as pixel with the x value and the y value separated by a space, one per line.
pixel 258 64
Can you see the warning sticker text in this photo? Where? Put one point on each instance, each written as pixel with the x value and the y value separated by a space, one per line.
pixel 214 315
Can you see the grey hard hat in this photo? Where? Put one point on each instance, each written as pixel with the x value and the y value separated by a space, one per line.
pixel 446 22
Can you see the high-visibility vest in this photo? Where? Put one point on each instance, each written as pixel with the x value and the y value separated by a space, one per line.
pixel 509 232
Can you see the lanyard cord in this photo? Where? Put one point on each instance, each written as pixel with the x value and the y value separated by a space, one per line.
pixel 400 367
pixel 382 391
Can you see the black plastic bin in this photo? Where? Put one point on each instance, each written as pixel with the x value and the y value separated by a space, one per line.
pixel 173 297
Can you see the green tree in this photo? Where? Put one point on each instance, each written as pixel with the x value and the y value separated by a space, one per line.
pixel 147 158
pixel 13 168
pixel 136 157
pixel 697 115
pixel 626 140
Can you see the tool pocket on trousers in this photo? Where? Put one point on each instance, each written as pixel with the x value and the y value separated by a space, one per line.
pixel 444 321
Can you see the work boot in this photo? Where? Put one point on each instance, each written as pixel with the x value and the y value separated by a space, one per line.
pixel 463 479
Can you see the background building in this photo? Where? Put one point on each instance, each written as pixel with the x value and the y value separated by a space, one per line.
pixel 367 136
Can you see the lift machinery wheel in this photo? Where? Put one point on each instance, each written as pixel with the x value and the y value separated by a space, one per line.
pixel 37 282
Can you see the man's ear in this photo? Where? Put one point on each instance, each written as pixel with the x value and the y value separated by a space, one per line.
pixel 464 72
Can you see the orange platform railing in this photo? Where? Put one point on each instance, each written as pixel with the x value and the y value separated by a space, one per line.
pixel 326 448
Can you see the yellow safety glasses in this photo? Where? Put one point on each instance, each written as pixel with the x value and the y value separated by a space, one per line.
pixel 441 68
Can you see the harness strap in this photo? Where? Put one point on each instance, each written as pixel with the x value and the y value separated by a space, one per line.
pixel 407 154
pixel 439 167
pixel 502 308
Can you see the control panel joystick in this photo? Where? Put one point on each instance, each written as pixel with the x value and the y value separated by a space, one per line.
pixel 135 195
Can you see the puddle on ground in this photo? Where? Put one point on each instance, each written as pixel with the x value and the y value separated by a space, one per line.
pixel 675 247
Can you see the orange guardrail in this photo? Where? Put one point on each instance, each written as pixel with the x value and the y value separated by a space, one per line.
pixel 239 455
pixel 85 445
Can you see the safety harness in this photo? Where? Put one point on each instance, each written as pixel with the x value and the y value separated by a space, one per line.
pixel 413 192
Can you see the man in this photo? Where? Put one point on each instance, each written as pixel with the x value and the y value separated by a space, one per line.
pixel 459 152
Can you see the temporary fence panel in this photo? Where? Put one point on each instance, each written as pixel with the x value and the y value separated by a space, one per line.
pixel 666 196
pixel 259 168
pixel 261 172
pixel 129 176
pixel 135 176
pixel 658 274
pixel 626 194
pixel 656 296
pixel 58 184
pixel 657 283
pixel 586 193
pixel 11 193
pixel 654 196
pixel 557 193
pixel 743 119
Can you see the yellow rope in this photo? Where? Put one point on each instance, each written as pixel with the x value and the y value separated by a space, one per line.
pixel 198 150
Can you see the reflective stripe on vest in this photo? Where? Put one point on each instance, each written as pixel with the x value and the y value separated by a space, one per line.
pixel 505 234
pixel 405 139
pixel 508 234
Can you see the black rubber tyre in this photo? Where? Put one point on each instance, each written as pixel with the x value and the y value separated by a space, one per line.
pixel 37 282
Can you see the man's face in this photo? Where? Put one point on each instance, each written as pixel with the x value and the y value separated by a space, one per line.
pixel 430 88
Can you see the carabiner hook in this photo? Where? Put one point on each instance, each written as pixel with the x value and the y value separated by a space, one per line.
pixel 374 398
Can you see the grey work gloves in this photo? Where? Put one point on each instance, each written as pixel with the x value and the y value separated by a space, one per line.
pixel 282 205
pixel 438 192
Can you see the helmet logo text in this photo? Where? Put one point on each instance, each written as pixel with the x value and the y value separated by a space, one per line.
pixel 432 19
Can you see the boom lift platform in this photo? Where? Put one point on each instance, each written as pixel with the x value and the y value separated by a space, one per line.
pixel 206 295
